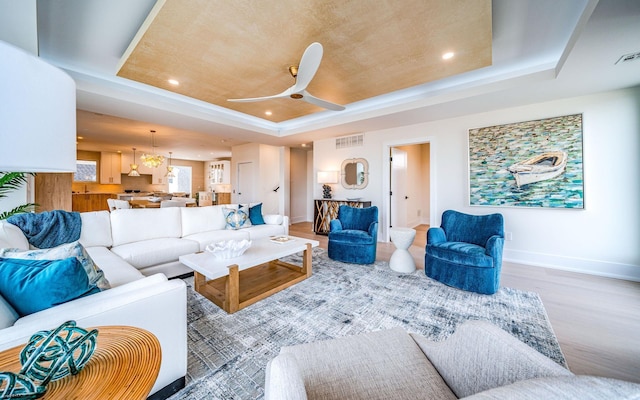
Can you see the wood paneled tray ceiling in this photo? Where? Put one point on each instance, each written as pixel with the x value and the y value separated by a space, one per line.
pixel 235 49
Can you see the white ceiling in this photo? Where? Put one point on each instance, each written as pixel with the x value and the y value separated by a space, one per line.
pixel 542 49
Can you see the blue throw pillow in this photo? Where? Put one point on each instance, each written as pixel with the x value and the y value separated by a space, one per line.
pixel 255 214
pixel 236 219
pixel 34 285
pixel 75 249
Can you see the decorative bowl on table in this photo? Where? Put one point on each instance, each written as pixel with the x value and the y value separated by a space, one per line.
pixel 228 248
pixel 155 199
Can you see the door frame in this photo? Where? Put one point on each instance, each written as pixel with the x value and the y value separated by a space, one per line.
pixel 386 180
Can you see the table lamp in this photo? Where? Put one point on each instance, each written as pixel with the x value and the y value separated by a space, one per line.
pixel 327 177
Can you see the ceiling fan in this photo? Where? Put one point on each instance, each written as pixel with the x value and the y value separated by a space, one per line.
pixel 303 74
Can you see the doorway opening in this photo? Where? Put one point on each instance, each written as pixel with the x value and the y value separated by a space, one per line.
pixel 409 182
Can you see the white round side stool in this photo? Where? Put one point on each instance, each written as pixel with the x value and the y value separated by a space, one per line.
pixel 401 260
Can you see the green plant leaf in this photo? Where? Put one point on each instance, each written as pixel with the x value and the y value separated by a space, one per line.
pixel 10 181
pixel 19 210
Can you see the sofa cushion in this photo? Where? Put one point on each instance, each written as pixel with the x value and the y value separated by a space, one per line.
pixel 155 251
pixel 487 353
pixel 75 249
pixel 202 219
pixel 377 365
pixel 12 237
pixel 236 219
pixel 262 231
pixel 96 229
pixel 8 315
pixel 351 236
pixel 115 269
pixel 283 380
pixel 563 387
pixel 273 219
pixel 206 238
pixel 34 285
pixel 141 224
pixel 461 253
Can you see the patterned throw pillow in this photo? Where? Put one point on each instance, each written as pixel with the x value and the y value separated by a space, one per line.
pixel 74 249
pixel 236 219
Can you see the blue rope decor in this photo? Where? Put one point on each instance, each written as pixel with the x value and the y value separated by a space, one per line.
pixel 52 355
pixel 48 356
pixel 17 386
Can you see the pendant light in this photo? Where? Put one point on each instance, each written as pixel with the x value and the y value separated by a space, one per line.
pixel 170 173
pixel 133 166
pixel 152 160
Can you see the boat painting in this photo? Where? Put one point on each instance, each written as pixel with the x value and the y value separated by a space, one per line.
pixel 544 166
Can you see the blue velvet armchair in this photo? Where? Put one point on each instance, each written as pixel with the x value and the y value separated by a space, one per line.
pixel 353 236
pixel 466 251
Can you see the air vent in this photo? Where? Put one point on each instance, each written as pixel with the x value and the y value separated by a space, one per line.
pixel 629 57
pixel 350 141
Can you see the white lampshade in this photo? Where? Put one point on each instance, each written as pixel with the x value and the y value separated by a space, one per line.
pixel 37 114
pixel 327 176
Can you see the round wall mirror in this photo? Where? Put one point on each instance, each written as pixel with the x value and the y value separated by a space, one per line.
pixel 355 173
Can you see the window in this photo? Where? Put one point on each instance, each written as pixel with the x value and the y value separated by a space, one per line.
pixel 86 171
pixel 182 180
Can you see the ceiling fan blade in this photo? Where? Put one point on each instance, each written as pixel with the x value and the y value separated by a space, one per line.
pixel 322 103
pixel 308 67
pixel 286 93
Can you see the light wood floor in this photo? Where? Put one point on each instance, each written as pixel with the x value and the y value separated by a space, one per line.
pixel 596 319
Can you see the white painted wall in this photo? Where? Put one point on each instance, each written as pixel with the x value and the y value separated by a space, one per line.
pixel 19 26
pixel 601 239
pixel 271 170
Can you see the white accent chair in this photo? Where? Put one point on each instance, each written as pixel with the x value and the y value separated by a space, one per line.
pixel 111 203
pixel 121 204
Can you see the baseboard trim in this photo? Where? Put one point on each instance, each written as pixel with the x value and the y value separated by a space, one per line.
pixel 607 269
pixel 169 390
pixel 297 220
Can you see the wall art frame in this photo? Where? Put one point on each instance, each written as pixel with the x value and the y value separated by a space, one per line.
pixel 536 163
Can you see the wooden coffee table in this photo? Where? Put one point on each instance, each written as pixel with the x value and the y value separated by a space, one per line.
pixel 235 283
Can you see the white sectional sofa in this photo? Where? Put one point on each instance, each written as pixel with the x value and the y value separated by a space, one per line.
pixel 137 249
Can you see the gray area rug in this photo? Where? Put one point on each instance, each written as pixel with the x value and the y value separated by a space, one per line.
pixel 228 353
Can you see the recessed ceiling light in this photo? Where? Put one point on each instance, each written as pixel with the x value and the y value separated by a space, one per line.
pixel 268 113
pixel 304 145
pixel 80 137
pixel 173 82
pixel 448 55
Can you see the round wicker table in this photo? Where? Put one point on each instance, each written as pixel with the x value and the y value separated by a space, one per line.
pixel 125 365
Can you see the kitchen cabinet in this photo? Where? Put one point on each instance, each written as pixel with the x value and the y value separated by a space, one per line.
pixel 84 202
pixel 158 177
pixel 223 198
pixel 110 164
pixel 217 173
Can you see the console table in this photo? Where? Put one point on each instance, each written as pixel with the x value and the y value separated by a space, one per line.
pixel 325 210
pixel 124 366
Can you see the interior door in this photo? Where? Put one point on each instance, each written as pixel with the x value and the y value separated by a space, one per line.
pixel 398 217
pixel 245 182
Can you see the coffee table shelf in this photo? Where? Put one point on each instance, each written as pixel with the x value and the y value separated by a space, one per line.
pixel 237 283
